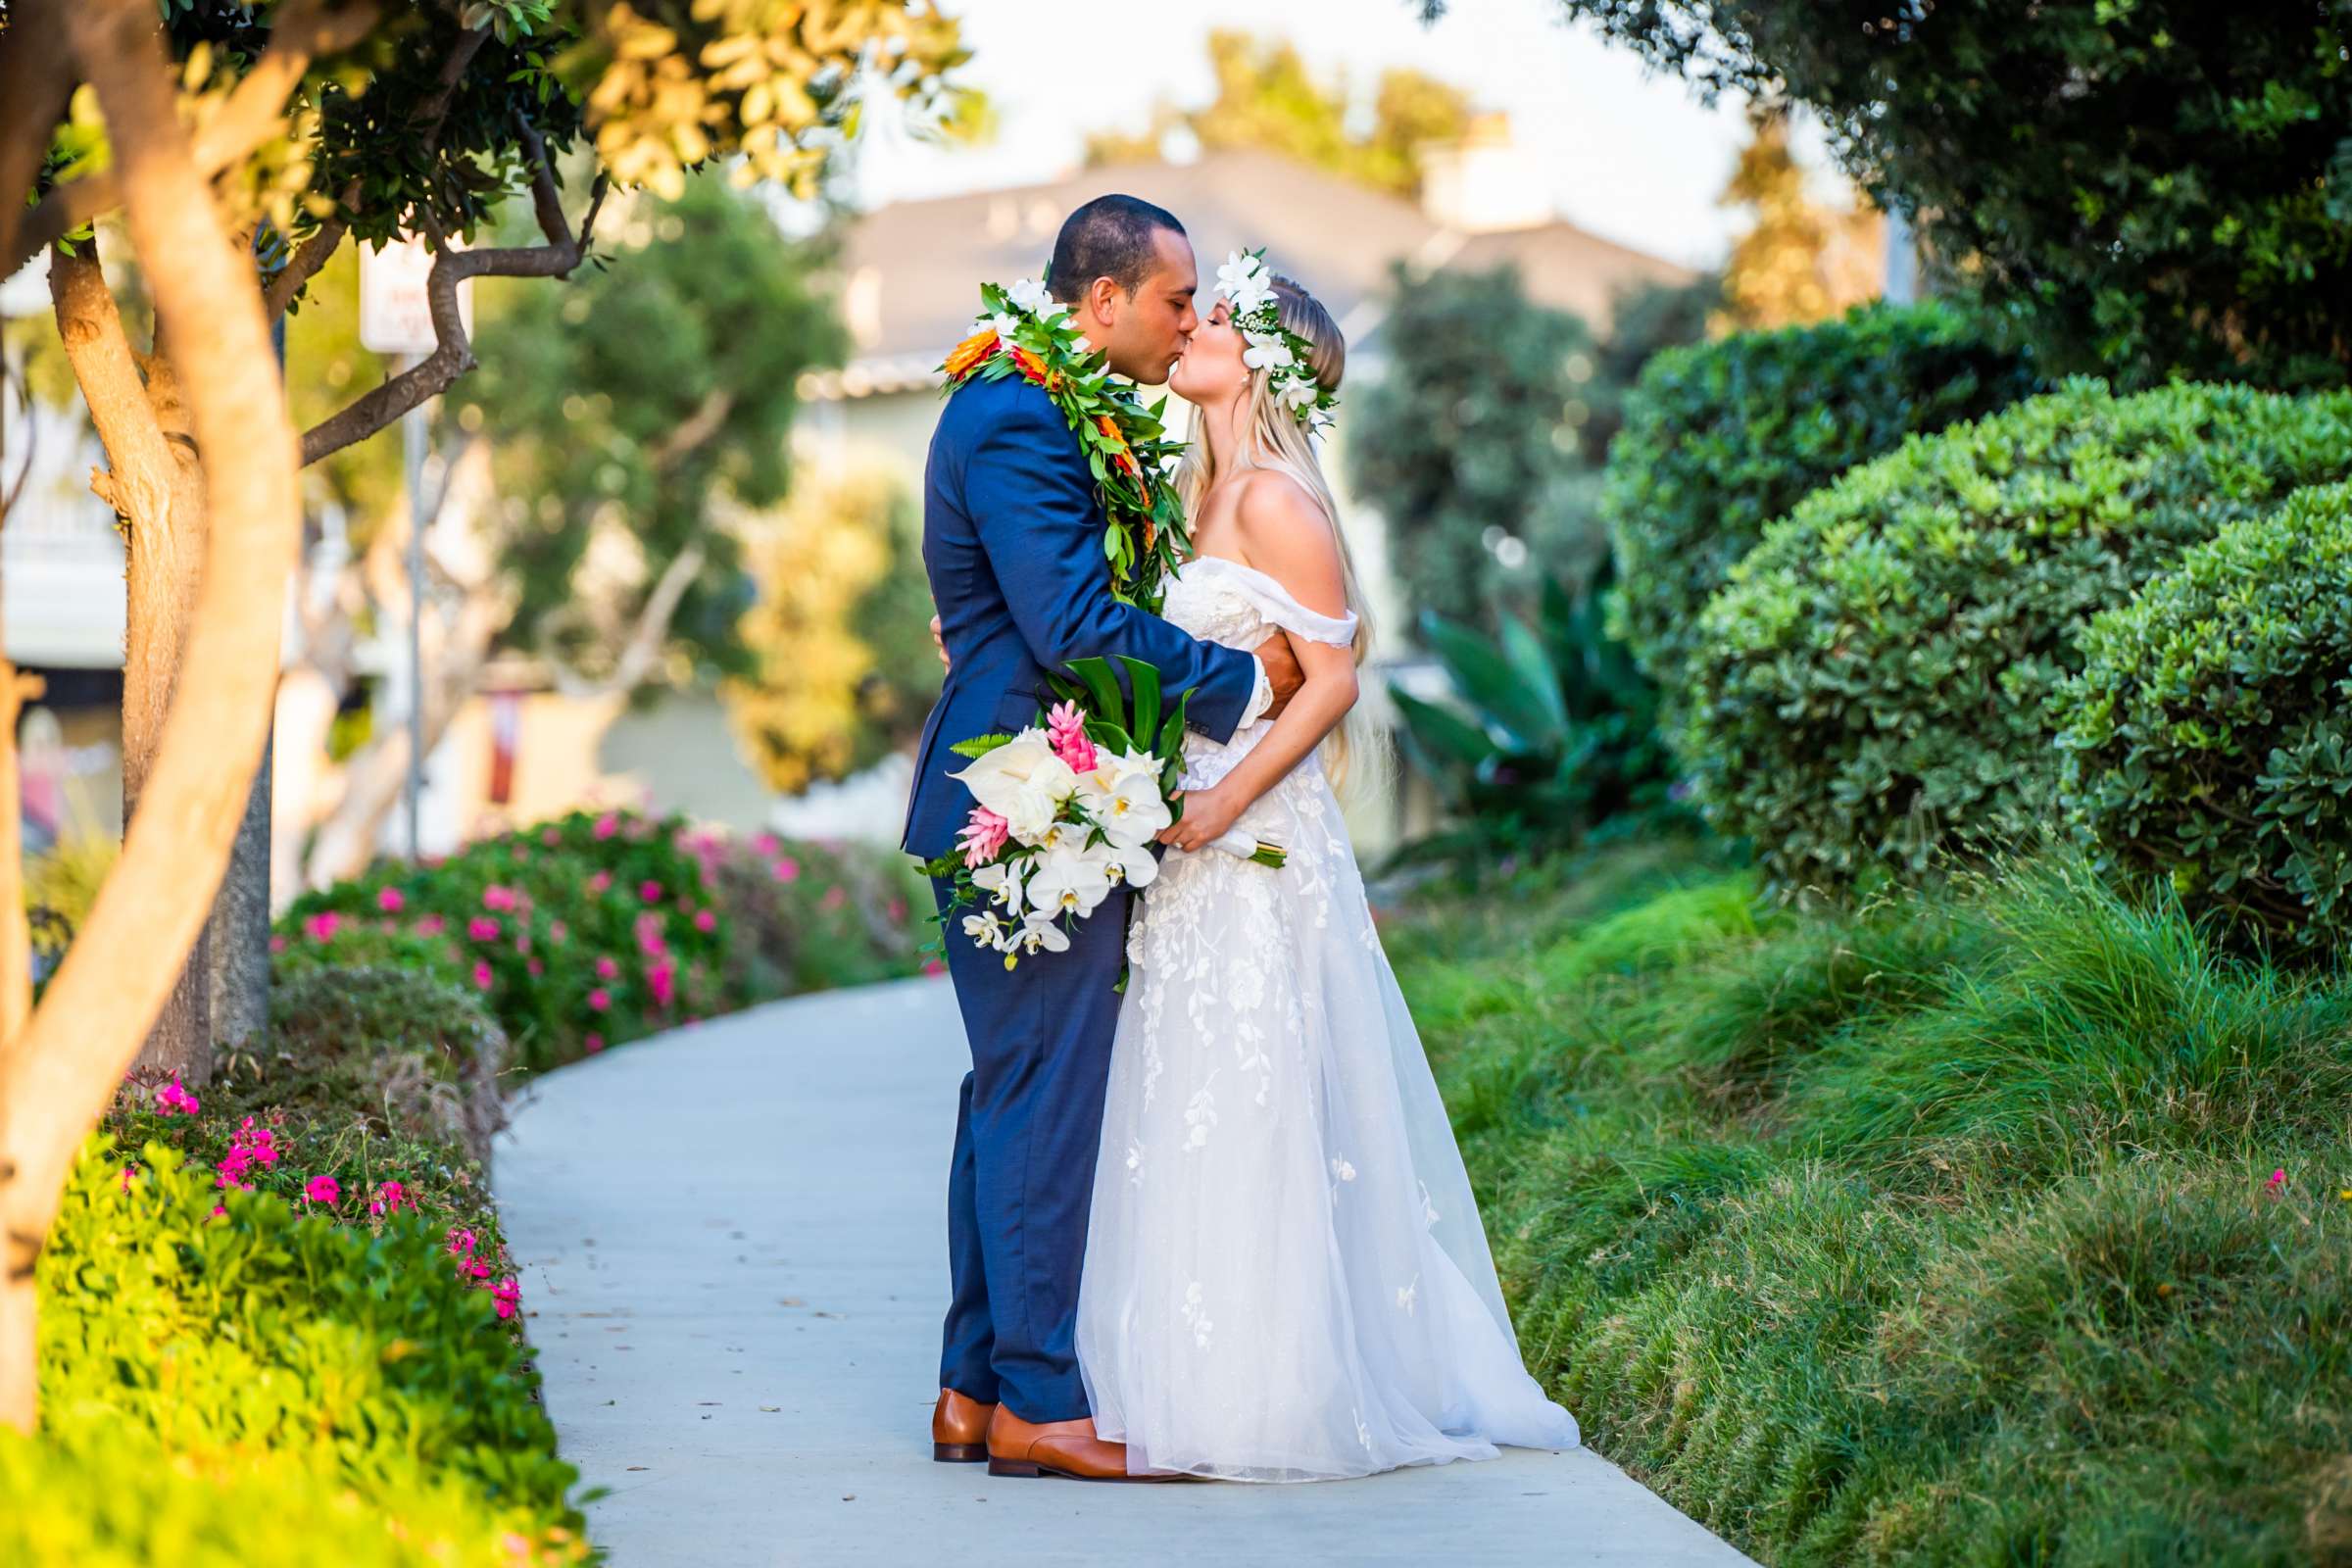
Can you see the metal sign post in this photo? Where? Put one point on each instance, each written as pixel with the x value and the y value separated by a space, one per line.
pixel 396 317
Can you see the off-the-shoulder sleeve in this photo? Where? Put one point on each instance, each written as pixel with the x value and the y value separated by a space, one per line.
pixel 1274 601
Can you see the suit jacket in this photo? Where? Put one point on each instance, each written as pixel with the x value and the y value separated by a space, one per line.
pixel 1013 543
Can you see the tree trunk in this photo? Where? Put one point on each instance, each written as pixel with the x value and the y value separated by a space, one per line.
pixel 154 484
pixel 54 1078
pixel 236 938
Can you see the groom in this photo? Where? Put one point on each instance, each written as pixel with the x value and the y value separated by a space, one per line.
pixel 1012 542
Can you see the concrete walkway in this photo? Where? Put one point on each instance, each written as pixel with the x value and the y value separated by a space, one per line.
pixel 733 1265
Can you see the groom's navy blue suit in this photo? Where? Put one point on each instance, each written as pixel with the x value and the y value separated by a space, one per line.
pixel 1013 541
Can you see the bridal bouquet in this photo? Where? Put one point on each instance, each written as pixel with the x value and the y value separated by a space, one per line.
pixel 1067 810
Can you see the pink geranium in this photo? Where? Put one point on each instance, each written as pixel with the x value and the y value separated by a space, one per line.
pixel 593 1044
pixel 606 966
pixel 550 837
pixel 171 1099
pixel 321 1190
pixel 984 834
pixel 766 845
pixel 601 881
pixel 390 1199
pixel 481 976
pixel 481 928
pixel 706 922
pixel 1066 733
pixel 834 896
pixel 607 825
pixel 433 925
pixel 785 869
pixel 649 892
pixel 934 966
pixel 508 1294
pixel 661 980
pixel 599 1000
pixel 320 927
pixel 391 900
pixel 535 968
pixel 496 897
pixel 462 1242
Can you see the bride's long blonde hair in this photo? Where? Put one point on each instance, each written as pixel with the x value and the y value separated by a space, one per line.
pixel 1355 754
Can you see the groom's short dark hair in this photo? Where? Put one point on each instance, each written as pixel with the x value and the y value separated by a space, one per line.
pixel 1110 236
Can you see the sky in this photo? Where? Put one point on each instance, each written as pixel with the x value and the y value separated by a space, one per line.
pixel 1634 157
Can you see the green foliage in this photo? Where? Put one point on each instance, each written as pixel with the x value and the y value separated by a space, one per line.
pixel 262 1342
pixel 1721 438
pixel 1267 98
pixel 1470 441
pixel 1551 734
pixel 633 403
pixel 1871 694
pixel 808 917
pixel 579 933
pixel 1819 1225
pixel 2207 741
pixel 843 671
pixel 2143 186
pixel 414 1056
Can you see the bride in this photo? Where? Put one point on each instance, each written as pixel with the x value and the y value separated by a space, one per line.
pixel 1285 1275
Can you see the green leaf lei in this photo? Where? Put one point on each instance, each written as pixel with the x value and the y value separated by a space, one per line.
pixel 1023 331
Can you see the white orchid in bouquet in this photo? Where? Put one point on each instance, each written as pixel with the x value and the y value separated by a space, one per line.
pixel 1066 810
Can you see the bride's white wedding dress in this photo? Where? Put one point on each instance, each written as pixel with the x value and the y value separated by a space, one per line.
pixel 1286 1278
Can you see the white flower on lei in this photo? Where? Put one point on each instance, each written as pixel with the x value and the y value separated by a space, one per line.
pixel 1032 296
pixel 1245 282
pixel 1068 881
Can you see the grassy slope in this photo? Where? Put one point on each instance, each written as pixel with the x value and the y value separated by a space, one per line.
pixel 1938 1234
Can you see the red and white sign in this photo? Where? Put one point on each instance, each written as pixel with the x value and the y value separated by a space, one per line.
pixel 394 316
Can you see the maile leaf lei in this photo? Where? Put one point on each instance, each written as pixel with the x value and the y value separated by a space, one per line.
pixel 1023 331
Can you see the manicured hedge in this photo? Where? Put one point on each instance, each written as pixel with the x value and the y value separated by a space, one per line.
pixel 1721 438
pixel 2209 737
pixel 1871 693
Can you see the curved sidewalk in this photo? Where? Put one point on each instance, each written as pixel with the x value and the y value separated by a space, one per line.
pixel 731 1247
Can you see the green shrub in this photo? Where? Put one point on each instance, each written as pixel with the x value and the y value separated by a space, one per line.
pixel 1721 438
pixel 810 915
pixel 121 1501
pixel 221 1325
pixel 416 1056
pixel 1872 691
pixel 2209 741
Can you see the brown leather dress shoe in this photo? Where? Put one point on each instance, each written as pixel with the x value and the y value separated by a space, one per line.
pixel 1066 1449
pixel 960 1429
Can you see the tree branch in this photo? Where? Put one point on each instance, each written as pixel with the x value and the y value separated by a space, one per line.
pixel 453 353
pixel 253 112
pixel 694 430
pixel 137 483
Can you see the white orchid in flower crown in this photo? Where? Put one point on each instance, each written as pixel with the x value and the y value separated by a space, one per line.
pixel 1066 810
pixel 1246 286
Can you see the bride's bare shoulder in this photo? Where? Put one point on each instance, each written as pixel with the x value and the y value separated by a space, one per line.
pixel 1287 536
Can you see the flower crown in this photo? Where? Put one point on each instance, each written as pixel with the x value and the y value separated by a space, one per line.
pixel 1246 286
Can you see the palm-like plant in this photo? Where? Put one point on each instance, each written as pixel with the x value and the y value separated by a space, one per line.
pixel 1551 734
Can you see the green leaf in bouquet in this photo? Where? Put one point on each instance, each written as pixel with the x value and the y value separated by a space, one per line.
pixel 1102 686
pixel 980 744
pixel 1144 679
pixel 1172 736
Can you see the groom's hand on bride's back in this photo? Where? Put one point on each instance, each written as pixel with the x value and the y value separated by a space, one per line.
pixel 1283 673
pixel 939 642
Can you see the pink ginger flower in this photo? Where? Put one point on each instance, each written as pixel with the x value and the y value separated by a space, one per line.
pixel 320 927
pixel 481 975
pixel 706 922
pixel 649 892
pixel 785 869
pixel 322 1190
pixel 601 881
pixel 508 1294
pixel 1066 733
pixel 606 966
pixel 391 900
pixel 984 834
pixel 599 1000
pixel 171 1099
pixel 481 928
